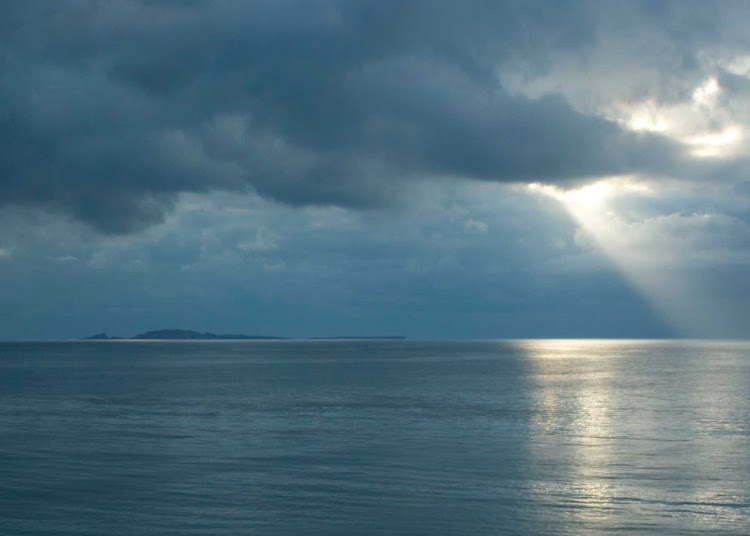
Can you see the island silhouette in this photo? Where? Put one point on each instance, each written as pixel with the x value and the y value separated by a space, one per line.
pixel 181 334
pixel 190 335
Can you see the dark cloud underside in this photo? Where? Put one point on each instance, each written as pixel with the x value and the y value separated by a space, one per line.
pixel 110 109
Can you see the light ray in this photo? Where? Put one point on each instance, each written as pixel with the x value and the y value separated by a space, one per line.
pixel 655 271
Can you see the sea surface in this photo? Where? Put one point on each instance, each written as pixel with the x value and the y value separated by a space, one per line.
pixel 375 437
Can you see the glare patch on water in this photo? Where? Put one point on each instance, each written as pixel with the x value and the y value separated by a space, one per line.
pixel 482 438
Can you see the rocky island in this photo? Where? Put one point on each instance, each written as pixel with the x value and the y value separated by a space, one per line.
pixel 190 335
pixel 182 335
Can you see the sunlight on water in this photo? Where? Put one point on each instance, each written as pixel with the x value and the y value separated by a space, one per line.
pixel 489 437
pixel 617 449
pixel 584 412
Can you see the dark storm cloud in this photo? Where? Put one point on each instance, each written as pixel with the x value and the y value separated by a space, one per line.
pixel 110 109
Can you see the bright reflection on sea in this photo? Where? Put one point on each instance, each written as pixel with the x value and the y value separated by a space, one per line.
pixel 651 426
pixel 375 437
pixel 580 415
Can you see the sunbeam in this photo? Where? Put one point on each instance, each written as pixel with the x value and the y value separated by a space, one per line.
pixel 653 265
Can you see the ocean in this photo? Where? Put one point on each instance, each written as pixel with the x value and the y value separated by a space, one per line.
pixel 375 437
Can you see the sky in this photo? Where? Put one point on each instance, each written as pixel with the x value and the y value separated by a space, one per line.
pixel 432 169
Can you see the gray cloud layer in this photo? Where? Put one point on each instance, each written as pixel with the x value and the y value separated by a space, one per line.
pixel 110 109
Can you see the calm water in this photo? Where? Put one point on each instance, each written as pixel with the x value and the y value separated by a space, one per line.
pixel 396 437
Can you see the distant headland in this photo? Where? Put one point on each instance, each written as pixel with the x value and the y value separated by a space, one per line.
pixel 190 335
pixel 358 337
pixel 181 335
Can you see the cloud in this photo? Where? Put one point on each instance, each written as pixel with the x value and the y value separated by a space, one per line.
pixel 477 226
pixel 332 271
pixel 111 110
pixel 224 260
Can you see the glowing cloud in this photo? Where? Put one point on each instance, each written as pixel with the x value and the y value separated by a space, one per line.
pixel 651 266
pixel 707 94
pixel 718 144
pixel 702 124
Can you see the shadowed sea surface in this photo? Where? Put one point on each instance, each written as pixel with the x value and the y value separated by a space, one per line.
pixel 375 437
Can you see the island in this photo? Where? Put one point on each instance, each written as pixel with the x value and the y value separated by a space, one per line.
pixel 182 335
pixel 190 335
pixel 359 337
pixel 100 337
